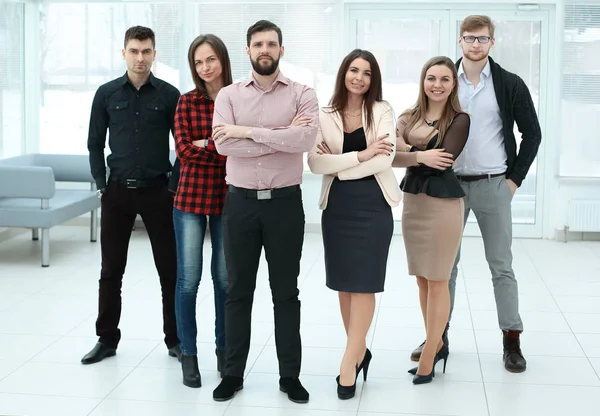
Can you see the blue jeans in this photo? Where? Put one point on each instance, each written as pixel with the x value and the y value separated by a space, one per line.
pixel 189 234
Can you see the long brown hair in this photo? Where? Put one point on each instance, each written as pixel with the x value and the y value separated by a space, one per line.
pixel 220 50
pixel 418 113
pixel 374 93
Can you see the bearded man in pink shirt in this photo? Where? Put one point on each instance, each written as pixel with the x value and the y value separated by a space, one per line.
pixel 264 125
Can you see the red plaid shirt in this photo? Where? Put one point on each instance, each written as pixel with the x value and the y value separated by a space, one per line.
pixel 202 187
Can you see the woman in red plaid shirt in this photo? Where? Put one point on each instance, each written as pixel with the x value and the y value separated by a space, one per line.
pixel 199 199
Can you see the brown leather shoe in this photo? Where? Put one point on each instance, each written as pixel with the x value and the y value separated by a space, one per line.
pixel 416 354
pixel 513 357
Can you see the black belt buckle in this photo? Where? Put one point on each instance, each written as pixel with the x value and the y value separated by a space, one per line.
pixel 263 194
pixel 131 183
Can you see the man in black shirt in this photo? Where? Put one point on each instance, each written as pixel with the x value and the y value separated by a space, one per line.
pixel 138 110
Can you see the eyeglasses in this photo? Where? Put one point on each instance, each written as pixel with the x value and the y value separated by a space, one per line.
pixel 480 39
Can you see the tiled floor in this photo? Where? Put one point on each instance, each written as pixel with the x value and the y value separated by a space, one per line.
pixel 47 324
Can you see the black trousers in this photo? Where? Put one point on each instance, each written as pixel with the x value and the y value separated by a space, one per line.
pixel 277 225
pixel 120 206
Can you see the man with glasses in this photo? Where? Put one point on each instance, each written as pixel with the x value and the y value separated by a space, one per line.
pixel 490 169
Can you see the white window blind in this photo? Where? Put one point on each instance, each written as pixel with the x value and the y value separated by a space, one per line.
pixel 309 37
pixel 81 45
pixel 12 78
pixel 580 150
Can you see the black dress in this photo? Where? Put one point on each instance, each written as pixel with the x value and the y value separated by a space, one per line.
pixel 357 228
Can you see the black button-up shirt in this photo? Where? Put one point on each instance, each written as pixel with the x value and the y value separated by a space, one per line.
pixel 138 122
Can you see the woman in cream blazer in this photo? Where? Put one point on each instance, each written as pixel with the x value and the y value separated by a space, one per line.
pixel 354 151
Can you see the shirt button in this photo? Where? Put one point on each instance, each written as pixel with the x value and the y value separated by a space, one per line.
pixel 259 164
pixel 136 130
pixel 156 108
pixel 117 107
pixel 137 113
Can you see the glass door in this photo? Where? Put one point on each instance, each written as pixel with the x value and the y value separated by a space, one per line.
pixel 522 48
pixel 402 39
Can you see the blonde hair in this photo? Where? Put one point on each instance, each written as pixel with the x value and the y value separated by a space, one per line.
pixel 476 22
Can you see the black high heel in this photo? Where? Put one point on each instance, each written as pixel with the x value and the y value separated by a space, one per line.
pixel 419 379
pixel 364 365
pixel 346 392
pixel 442 354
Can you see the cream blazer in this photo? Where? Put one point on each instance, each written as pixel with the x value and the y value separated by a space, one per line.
pixel 346 165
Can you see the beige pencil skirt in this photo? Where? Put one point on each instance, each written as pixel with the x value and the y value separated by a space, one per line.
pixel 432 229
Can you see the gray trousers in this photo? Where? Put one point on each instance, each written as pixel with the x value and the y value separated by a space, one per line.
pixel 490 201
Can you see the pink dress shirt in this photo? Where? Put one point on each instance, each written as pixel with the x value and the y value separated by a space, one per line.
pixel 272 158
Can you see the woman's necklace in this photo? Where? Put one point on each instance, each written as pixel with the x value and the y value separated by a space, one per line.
pixel 353 115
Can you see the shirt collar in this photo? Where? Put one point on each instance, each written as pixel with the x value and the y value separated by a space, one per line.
pixel 151 80
pixel 280 78
pixel 487 69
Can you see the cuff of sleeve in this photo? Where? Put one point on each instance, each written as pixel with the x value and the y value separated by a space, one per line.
pixel 516 179
pixel 100 183
pixel 210 145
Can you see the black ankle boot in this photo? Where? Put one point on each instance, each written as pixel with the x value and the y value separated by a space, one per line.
pixel 220 361
pixel 191 373
pixel 513 357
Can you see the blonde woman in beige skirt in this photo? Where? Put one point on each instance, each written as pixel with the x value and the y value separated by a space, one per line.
pixel 430 136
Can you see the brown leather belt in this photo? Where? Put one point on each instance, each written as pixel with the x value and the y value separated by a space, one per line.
pixel 473 178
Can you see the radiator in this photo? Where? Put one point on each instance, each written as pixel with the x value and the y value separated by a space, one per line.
pixel 584 215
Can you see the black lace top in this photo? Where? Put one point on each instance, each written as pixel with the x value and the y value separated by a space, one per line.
pixel 430 181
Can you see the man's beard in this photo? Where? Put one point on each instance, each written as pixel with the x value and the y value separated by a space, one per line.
pixel 264 70
pixel 477 57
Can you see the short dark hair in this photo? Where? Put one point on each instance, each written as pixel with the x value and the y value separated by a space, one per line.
pixel 220 50
pixel 139 33
pixel 263 26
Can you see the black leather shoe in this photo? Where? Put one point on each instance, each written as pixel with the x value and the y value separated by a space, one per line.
pixel 227 388
pixel 416 354
pixel 220 361
pixel 191 373
pixel 294 389
pixel 513 357
pixel 98 353
pixel 175 351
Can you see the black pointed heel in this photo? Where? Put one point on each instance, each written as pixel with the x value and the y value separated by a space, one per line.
pixel 442 354
pixel 419 379
pixel 364 366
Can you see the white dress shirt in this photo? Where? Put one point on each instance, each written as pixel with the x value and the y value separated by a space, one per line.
pixel 484 152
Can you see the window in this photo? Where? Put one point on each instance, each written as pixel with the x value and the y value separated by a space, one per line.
pixel 12 78
pixel 308 37
pixel 76 60
pixel 580 146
